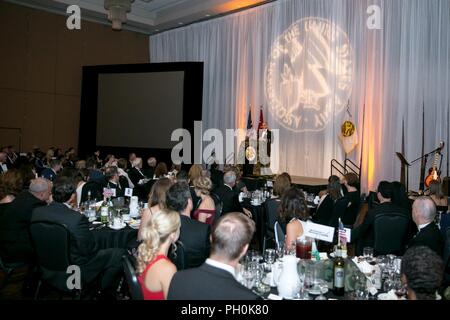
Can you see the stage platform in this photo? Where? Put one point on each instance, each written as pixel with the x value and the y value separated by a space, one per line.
pixel 308 184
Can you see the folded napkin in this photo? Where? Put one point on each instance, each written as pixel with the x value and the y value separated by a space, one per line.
pixel 364 266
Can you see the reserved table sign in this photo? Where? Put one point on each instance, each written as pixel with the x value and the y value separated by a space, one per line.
pixel 322 232
pixel 319 231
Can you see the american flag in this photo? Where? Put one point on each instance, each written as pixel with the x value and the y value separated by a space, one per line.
pixel 342 233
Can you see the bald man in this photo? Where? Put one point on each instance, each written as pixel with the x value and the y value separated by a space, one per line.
pixel 15 243
pixel 216 278
pixel 429 235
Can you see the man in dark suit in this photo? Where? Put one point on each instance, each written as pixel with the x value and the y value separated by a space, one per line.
pixel 229 197
pixel 194 235
pixel 215 279
pixel 50 173
pixel 364 233
pixel 429 235
pixel 15 243
pixel 112 176
pixel 83 248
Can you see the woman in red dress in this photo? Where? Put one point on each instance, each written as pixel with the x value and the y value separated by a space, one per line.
pixel 154 269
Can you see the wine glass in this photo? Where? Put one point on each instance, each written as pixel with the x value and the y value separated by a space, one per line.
pixel 323 287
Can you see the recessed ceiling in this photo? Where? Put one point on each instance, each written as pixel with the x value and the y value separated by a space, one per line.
pixel 149 16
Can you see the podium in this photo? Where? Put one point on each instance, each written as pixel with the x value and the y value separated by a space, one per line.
pixel 404 174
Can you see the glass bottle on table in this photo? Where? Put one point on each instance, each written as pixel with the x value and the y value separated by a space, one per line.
pixel 339 274
pixel 104 212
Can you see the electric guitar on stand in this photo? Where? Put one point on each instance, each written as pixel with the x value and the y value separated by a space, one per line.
pixel 433 172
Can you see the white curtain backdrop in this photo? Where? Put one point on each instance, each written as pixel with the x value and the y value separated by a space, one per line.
pixel 394 72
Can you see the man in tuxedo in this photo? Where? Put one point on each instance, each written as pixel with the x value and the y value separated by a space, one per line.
pixel 112 176
pixel 84 253
pixel 52 172
pixel 216 278
pixel 364 234
pixel 151 165
pixel 138 179
pixel 194 235
pixel 15 242
pixel 226 193
pixel 429 235
pixel 4 166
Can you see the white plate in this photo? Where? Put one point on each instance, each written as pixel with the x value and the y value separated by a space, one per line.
pixel 123 225
pixel 318 292
pixel 134 224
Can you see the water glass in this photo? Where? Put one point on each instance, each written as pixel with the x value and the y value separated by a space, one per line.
pixel 269 256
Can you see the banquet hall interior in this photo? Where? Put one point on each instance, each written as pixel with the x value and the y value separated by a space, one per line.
pixel 224 150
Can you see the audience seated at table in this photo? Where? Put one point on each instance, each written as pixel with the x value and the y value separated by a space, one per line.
pixel 4 164
pixel 50 173
pixel 324 211
pixel 216 279
pixel 216 175
pixel 437 195
pixel 400 196
pixel 156 202
pixel 113 181
pixel 105 263
pixel 11 184
pixel 124 179
pixel 429 235
pixel 149 171
pixel 136 175
pixel 160 171
pixel 206 209
pixel 155 270
pixel 363 234
pixel 422 271
pixel 351 183
pixel 194 235
pixel 282 183
pixel 293 215
pixel 15 242
pixel 226 193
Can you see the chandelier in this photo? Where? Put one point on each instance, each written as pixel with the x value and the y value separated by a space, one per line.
pixel 117 12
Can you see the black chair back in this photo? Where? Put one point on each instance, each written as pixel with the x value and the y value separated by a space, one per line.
pixel 52 244
pixel 179 258
pixel 279 234
pixel 271 209
pixel 131 278
pixel 390 233
pixel 218 205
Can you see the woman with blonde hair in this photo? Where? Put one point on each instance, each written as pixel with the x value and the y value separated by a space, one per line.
pixel 206 210
pixel 156 202
pixel 155 270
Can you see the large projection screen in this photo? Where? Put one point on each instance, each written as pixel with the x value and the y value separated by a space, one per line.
pixel 139 110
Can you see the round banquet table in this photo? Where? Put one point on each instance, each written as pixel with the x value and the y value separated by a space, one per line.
pixel 106 237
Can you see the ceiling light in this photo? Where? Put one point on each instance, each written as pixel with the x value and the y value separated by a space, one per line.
pixel 117 12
